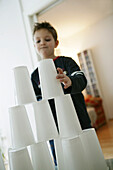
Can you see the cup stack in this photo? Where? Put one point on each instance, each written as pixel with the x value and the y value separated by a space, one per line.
pixel 24 92
pixel 75 148
pixel 93 150
pixel 68 122
pixel 45 124
pixel 41 157
pixel 50 86
pixel 21 132
pixel 74 154
pixel 20 159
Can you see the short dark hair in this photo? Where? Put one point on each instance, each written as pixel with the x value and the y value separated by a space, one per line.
pixel 45 25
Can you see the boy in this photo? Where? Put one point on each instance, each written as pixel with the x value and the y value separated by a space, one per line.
pixel 73 81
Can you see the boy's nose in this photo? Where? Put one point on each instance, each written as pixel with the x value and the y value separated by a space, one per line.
pixel 43 42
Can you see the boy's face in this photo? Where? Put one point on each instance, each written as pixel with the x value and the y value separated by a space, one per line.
pixel 44 43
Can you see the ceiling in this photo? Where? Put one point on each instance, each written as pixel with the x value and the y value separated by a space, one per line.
pixel 72 16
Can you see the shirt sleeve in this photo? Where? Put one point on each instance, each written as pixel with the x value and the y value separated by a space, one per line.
pixel 77 77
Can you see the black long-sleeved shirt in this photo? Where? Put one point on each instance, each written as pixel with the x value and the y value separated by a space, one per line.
pixel 79 82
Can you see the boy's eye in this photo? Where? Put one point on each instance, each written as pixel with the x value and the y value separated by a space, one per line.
pixel 48 39
pixel 38 41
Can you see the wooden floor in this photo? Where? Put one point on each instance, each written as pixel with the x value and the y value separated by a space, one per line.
pixel 105 136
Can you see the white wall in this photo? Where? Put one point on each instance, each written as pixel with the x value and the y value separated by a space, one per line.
pixel 98 38
pixel 13 52
pixel 35 6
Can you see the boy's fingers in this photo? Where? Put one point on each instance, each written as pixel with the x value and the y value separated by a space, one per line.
pixel 60 76
pixel 66 86
pixel 63 80
pixel 60 71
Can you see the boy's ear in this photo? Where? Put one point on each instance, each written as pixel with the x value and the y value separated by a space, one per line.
pixel 56 44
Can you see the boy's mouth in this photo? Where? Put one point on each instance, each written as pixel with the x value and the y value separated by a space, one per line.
pixel 43 47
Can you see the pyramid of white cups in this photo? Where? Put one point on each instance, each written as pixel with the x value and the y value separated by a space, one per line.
pixel 76 149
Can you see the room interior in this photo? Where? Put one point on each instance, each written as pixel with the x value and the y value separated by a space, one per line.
pixel 82 25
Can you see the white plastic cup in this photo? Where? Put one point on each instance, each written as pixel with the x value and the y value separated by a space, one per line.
pixel 2 167
pixel 45 125
pixel 93 150
pixel 24 92
pixel 74 156
pixel 68 122
pixel 50 86
pixel 19 159
pixel 41 157
pixel 59 153
pixel 21 132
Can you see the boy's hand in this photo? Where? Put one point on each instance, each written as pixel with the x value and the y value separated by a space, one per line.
pixel 63 78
